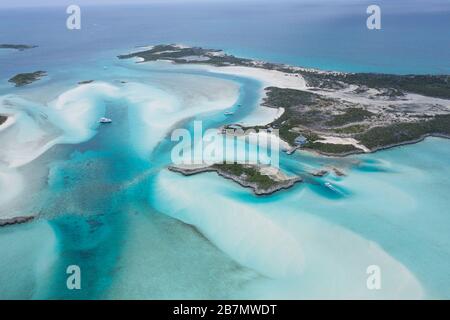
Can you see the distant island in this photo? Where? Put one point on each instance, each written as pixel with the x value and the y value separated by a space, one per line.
pixel 23 79
pixel 20 47
pixel 335 113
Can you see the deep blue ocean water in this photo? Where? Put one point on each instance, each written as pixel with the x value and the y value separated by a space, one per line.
pixel 329 35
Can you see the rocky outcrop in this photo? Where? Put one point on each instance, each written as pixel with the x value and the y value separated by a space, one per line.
pixel 319 173
pixel 3 119
pixel 338 172
pixel 258 190
pixel 85 82
pixel 189 171
pixel 15 220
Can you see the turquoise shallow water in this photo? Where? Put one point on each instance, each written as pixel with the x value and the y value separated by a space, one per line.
pixel 110 210
pixel 397 203
pixel 137 231
pixel 397 198
pixel 95 190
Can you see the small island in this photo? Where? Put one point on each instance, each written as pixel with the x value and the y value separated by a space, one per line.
pixel 3 119
pixel 262 180
pixel 15 220
pixel 85 82
pixel 20 47
pixel 334 113
pixel 23 79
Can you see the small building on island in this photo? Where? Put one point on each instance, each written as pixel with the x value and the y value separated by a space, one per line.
pixel 234 127
pixel 301 141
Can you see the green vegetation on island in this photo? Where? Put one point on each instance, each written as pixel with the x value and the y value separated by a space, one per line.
pixel 19 47
pixel 394 85
pixel 355 128
pixel 399 133
pixel 301 108
pixel 248 173
pixel 308 113
pixel 350 115
pixel 311 115
pixel 290 98
pixel 23 79
pixel 332 148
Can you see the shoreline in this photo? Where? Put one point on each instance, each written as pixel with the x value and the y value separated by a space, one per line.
pixel 378 149
pixel 16 220
pixel 418 140
pixel 268 78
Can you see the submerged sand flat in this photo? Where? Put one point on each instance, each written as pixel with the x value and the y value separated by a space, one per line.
pixel 298 254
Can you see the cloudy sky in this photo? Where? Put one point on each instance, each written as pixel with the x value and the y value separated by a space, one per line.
pixel 423 4
pixel 38 3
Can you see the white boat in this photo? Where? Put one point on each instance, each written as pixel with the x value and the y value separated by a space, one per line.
pixel 105 120
pixel 228 113
pixel 330 186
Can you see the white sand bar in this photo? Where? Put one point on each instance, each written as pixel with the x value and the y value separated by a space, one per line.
pixel 269 78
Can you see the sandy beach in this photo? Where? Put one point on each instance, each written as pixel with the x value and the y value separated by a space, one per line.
pixel 11 184
pixel 339 140
pixel 269 78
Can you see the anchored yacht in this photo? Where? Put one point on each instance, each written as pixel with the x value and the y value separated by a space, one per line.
pixel 105 120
